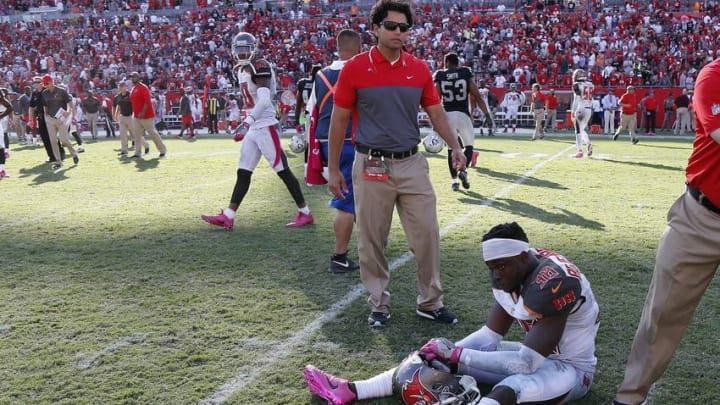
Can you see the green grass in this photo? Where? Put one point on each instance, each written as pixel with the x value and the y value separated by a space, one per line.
pixel 114 292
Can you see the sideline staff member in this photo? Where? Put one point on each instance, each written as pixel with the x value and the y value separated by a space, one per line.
pixel 687 255
pixel 385 86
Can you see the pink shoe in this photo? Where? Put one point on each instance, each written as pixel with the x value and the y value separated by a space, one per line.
pixel 219 220
pixel 328 387
pixel 301 220
pixel 4 174
pixel 579 155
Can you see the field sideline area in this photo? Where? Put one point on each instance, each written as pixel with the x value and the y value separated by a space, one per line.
pixel 113 291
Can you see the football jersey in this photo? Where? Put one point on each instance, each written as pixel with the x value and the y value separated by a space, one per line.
pixel 247 77
pixel 583 93
pixel 454 88
pixel 304 88
pixel 556 287
pixel 514 98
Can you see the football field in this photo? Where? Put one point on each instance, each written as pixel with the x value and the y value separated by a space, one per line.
pixel 113 291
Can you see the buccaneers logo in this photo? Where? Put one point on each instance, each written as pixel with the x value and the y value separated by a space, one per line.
pixel 415 393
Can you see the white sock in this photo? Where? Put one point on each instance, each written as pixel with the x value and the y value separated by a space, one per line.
pixel 305 210
pixel 2 167
pixel 229 213
pixel 379 386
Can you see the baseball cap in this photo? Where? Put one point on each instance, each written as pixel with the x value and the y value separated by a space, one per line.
pixel 47 79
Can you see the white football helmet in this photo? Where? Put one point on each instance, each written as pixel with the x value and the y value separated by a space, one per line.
pixel 417 383
pixel 297 144
pixel 579 75
pixel 243 48
pixel 433 143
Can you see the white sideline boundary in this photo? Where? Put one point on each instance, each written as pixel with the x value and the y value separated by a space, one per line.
pixel 279 352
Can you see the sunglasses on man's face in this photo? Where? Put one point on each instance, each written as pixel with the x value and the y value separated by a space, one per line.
pixel 392 26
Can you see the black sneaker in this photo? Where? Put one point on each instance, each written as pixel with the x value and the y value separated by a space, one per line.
pixel 463 176
pixel 162 154
pixel 635 140
pixel 147 150
pixel 442 315
pixel 56 166
pixel 615 137
pixel 455 187
pixel 76 159
pixel 378 319
pixel 342 266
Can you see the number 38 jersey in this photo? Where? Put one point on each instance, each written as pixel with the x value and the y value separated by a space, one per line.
pixel 454 88
pixel 258 101
pixel 556 287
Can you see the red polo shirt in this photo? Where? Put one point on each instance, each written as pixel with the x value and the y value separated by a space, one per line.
pixel 703 169
pixel 386 97
pixel 139 97
pixel 628 98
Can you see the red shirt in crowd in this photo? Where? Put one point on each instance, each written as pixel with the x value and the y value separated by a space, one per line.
pixel 703 171
pixel 552 102
pixel 650 103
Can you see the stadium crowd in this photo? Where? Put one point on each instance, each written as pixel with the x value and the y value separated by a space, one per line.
pixel 658 44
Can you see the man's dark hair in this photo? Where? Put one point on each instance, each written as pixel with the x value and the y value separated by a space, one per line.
pixel 510 230
pixel 379 11
pixel 452 60
pixel 347 38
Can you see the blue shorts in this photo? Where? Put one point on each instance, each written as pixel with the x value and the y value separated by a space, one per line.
pixel 347 158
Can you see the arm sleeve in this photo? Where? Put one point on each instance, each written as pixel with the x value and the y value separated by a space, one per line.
pixel 523 361
pixel 263 102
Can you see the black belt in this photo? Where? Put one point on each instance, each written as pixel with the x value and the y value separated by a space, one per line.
pixel 386 154
pixel 702 199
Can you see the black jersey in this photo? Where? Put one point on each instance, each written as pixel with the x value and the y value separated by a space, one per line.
pixel 455 88
pixel 304 88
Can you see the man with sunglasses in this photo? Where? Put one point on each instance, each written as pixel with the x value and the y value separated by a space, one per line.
pixel 384 87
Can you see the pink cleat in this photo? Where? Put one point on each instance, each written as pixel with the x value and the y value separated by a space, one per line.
pixel 219 220
pixel 301 220
pixel 328 387
pixel 4 174
pixel 579 155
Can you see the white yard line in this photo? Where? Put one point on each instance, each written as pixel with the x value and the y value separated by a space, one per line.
pixel 300 338
pixel 91 360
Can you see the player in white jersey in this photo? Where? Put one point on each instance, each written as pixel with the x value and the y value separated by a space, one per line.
pixel 512 101
pixel 259 133
pixel 540 290
pixel 487 118
pixel 582 110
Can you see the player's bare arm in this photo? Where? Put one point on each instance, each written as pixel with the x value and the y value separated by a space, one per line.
pixel 338 124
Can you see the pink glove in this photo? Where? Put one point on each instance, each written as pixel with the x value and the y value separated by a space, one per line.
pixel 443 349
pixel 240 131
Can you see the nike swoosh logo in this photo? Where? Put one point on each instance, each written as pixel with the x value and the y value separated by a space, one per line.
pixel 332 384
pixel 344 264
pixel 555 289
pixel 409 77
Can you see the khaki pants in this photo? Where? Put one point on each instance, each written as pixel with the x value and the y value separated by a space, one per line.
pixel 629 122
pixel 551 123
pixel 683 121
pixel 410 190
pixel 19 125
pixel 92 120
pixel 539 117
pixel 686 262
pixel 127 131
pixel 146 125
pixel 58 130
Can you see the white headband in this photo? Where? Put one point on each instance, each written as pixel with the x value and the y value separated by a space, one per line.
pixel 500 248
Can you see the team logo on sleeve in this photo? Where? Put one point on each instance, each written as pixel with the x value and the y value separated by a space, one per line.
pixel 544 275
pixel 715 109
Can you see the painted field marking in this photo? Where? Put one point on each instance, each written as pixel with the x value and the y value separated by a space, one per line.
pixel 263 364
pixel 91 360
